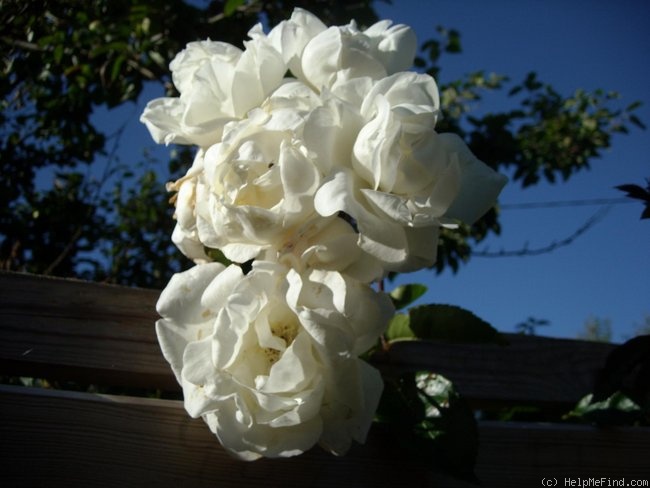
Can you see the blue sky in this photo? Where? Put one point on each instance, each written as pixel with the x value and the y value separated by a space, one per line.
pixel 605 273
pixel 572 44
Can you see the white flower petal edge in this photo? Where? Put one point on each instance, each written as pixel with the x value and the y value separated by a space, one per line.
pixel 479 184
pixel 322 56
pixel 269 359
pixel 218 83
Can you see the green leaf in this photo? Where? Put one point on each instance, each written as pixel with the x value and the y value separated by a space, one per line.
pixel 633 106
pixel 636 121
pixel 453 42
pixel 116 70
pixel 231 6
pixel 217 256
pixel 406 294
pixel 617 409
pixel 634 191
pixel 450 323
pixel 58 53
pixel 398 328
pixel 431 422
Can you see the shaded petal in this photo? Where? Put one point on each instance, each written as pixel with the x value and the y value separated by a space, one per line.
pixel 479 185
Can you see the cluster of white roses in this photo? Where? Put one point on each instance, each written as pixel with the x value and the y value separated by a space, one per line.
pixel 326 179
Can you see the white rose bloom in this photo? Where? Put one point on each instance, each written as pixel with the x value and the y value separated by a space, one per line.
pixel 407 180
pixel 259 186
pixel 268 360
pixel 322 56
pixel 217 83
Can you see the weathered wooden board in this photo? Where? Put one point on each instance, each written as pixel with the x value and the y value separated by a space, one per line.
pixel 102 334
pixel 55 438
pixel 70 329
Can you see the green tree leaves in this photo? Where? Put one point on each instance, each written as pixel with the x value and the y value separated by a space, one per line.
pixel 63 59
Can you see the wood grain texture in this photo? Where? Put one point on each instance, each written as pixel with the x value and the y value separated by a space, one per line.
pixel 54 438
pixel 102 334
pixel 70 329
pixel 533 370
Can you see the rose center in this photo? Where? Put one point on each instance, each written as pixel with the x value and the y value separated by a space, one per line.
pixel 284 326
pixel 285 330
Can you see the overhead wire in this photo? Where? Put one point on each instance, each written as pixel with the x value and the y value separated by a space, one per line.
pixel 565 203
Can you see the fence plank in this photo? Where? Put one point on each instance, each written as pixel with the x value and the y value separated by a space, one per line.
pixel 534 370
pixel 54 438
pixel 71 329
pixel 68 329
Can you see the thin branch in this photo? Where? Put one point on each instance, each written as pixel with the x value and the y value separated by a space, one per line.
pixel 250 7
pixel 525 251
pixel 27 46
pixel 66 250
pixel 146 72
pixel 77 234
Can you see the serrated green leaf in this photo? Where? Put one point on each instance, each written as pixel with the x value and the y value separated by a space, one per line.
pixel 450 323
pixel 398 328
pixel 406 294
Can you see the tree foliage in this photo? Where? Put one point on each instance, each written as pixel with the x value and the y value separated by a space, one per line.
pixel 64 59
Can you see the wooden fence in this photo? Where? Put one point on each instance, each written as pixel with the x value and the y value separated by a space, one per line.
pixel 100 334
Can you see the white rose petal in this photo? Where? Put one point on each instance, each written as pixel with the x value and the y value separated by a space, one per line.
pixel 291 36
pixel 184 319
pixel 218 83
pixel 259 186
pixel 379 236
pixel 339 53
pixel 259 373
pixel 479 184
pixel 186 63
pixel 394 45
pixel 189 244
